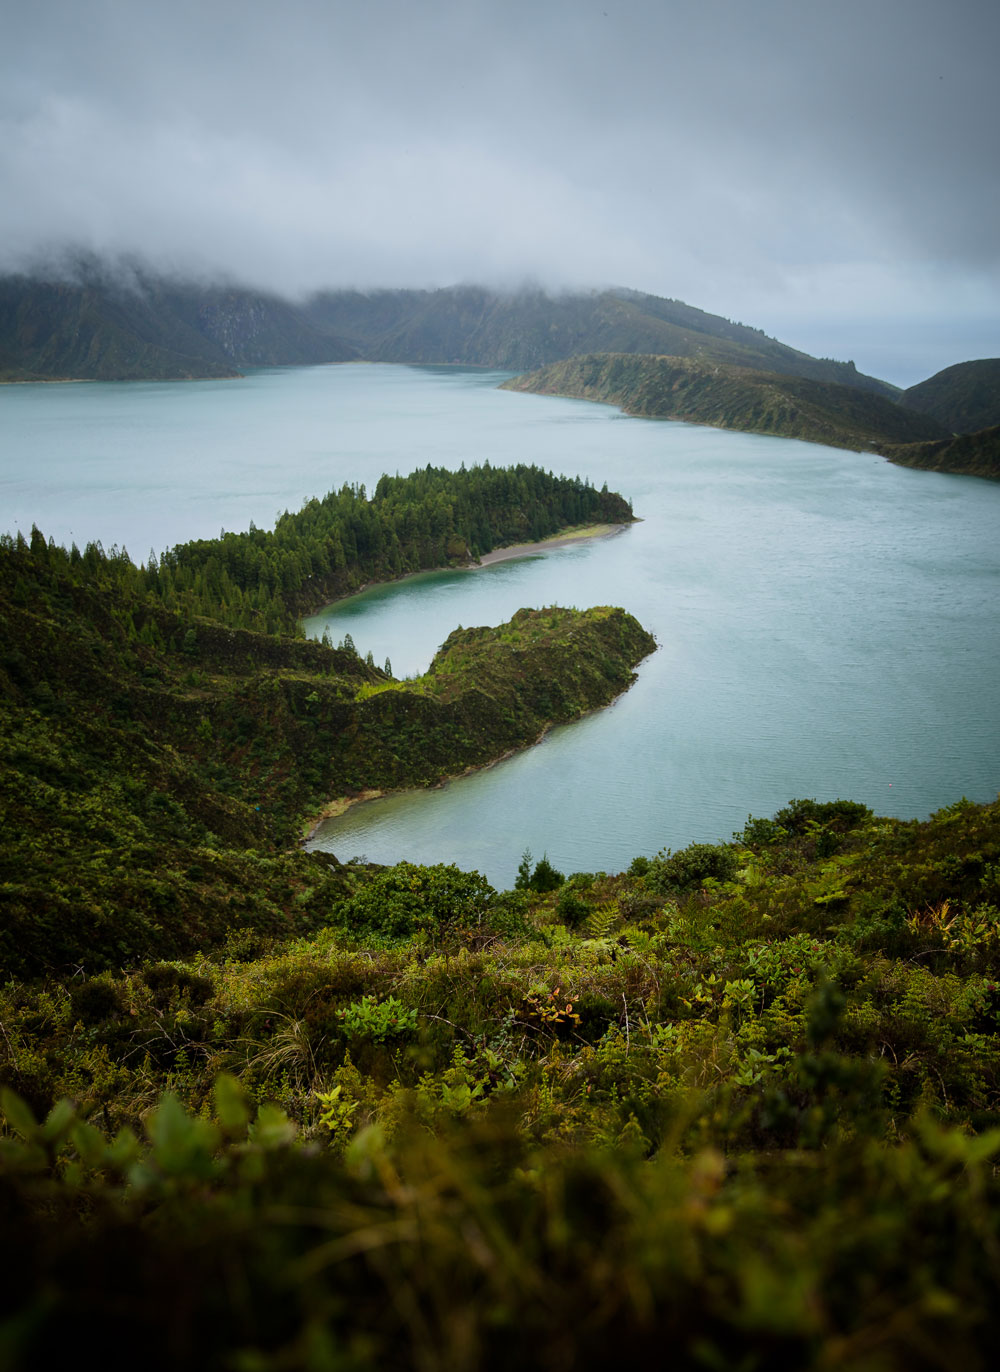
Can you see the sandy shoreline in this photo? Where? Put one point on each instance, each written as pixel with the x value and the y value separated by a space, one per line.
pixel 563 540
pixel 556 541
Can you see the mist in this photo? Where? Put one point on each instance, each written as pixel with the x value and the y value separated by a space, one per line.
pixel 792 166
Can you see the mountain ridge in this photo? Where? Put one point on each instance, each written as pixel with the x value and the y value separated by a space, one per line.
pixel 524 330
pixel 96 322
pixel 97 328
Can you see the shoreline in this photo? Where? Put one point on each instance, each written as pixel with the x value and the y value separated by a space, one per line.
pixel 341 804
pixel 563 540
pixel 508 554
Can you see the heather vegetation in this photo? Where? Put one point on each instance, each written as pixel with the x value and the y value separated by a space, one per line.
pixel 268 1111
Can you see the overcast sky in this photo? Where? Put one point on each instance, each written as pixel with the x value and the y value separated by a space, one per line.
pixel 828 172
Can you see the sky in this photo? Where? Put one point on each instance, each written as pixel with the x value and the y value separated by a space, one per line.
pixel 825 171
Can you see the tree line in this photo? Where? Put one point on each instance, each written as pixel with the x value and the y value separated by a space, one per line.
pixel 265 580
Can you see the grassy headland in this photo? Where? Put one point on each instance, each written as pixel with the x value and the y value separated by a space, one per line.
pixel 731 397
pixel 973 454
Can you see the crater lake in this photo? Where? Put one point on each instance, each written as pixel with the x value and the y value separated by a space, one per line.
pixel 827 622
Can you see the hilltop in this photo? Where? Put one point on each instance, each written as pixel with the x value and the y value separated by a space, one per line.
pixel 964 398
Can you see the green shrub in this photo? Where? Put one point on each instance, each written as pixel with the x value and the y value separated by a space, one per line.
pixel 378 1020
pixel 799 816
pixel 408 899
pixel 693 866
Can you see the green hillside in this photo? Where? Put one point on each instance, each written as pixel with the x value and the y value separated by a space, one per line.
pixel 964 398
pixel 518 331
pixel 125 322
pixel 146 749
pixel 100 328
pixel 972 454
pixel 741 1101
pixel 733 398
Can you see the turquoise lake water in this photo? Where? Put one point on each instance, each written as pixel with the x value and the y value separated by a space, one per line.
pixel 827 622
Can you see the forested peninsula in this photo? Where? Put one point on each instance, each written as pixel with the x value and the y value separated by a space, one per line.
pixel 140 732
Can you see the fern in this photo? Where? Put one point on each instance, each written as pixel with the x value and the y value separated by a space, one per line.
pixel 602 922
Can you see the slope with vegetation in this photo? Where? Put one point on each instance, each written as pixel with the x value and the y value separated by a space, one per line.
pixel 972 454
pixel 157 765
pixel 741 1101
pixel 94 320
pixel 99 324
pixel 733 398
pixel 964 398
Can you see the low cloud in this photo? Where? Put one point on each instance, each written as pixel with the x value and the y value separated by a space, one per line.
pixel 775 160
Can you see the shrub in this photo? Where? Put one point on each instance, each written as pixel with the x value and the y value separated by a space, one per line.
pixel 799 816
pixel 409 899
pixel 693 866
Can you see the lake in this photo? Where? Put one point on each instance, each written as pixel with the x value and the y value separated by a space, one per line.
pixel 827 622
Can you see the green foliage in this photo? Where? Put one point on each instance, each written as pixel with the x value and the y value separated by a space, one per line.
pixel 841 816
pixel 545 877
pixel 730 1098
pixel 476 1251
pixel 406 899
pixel 378 1020
pixel 542 877
pixel 692 867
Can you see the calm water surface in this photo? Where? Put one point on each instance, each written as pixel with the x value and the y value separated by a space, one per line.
pixel 827 622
